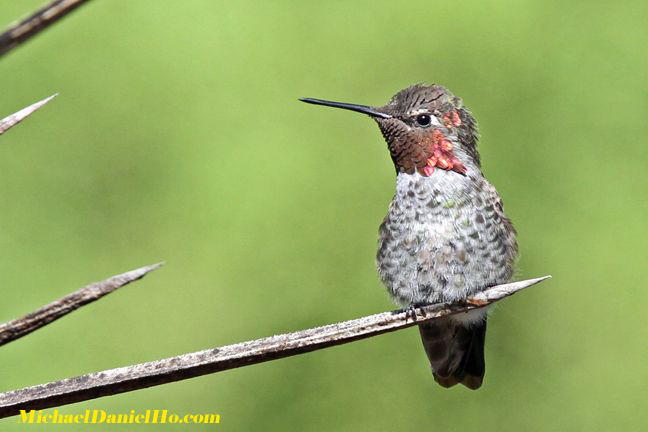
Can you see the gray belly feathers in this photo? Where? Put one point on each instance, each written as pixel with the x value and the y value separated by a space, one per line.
pixel 445 237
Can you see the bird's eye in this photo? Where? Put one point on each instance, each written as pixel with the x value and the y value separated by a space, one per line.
pixel 423 120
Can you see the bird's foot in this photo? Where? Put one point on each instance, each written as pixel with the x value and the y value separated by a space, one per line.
pixel 410 311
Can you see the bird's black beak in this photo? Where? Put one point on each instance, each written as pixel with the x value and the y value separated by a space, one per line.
pixel 373 112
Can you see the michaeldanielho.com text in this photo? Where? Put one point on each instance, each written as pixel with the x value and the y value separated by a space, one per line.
pixel 101 416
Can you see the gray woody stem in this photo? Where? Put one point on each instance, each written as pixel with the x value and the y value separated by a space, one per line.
pixel 191 365
pixel 22 326
pixel 15 118
pixel 37 22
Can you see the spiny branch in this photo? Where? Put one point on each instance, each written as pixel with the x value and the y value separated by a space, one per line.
pixel 37 22
pixel 22 326
pixel 15 118
pixel 191 365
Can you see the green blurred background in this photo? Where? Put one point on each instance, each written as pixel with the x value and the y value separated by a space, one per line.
pixel 178 136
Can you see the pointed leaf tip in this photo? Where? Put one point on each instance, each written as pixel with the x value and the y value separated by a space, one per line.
pixel 15 118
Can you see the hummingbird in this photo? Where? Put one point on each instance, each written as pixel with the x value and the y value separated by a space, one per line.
pixel 445 236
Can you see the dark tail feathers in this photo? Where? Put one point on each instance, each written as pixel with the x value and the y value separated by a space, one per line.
pixel 455 351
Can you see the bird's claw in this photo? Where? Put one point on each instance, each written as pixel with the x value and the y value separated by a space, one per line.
pixel 411 310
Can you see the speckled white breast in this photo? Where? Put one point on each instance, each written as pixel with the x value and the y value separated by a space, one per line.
pixel 444 237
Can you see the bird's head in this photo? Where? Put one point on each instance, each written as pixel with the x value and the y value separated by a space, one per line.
pixel 426 128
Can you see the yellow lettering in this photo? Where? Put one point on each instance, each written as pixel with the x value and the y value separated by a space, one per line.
pixel 102 416
pixel 24 418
